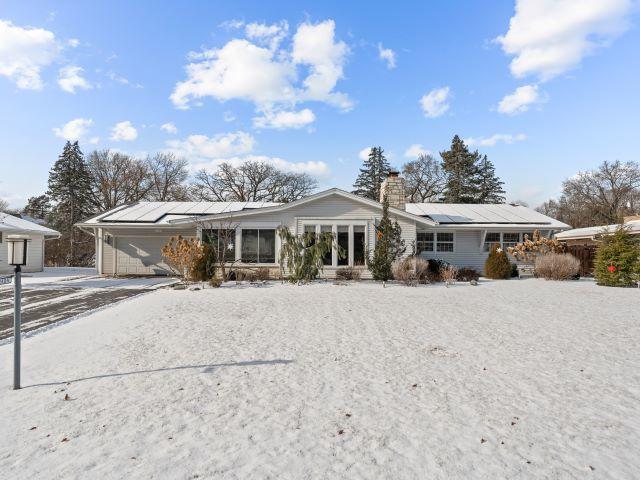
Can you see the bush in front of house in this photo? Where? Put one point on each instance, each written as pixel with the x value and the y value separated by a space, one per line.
pixel 617 262
pixel 347 273
pixel 204 266
pixel 557 266
pixel 404 271
pixel 497 266
pixel 389 246
pixel 466 274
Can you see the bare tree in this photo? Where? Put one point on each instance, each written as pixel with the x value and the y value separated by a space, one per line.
pixel 425 180
pixel 117 179
pixel 167 177
pixel 597 197
pixel 4 205
pixel 252 181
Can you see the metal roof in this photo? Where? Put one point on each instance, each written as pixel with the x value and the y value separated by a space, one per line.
pixel 498 213
pixel 9 223
pixel 589 232
pixel 160 212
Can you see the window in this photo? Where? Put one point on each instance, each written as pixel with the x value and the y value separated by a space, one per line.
pixel 491 239
pixel 223 240
pixel 358 245
pixel 510 239
pixel 529 235
pixel 259 245
pixel 444 242
pixel 424 242
pixel 0 237
pixel 504 239
pixel 328 257
pixel 343 242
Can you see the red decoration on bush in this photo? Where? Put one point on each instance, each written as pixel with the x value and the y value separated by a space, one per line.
pixel 611 268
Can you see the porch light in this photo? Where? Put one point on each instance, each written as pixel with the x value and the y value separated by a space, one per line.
pixel 18 246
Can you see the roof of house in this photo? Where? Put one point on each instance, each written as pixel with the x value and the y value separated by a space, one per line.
pixel 11 224
pixel 447 214
pixel 493 214
pixel 590 232
pixel 164 212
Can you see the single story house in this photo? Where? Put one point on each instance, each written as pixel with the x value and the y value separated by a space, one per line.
pixel 38 234
pixel 129 238
pixel 592 235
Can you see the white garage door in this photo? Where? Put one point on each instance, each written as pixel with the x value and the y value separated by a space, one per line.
pixel 141 256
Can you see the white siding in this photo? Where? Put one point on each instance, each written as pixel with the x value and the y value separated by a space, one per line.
pixel 35 257
pixel 467 250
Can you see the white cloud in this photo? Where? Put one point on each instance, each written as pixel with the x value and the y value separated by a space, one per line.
pixel 387 55
pixel 435 103
pixel 228 117
pixel 24 52
pixel 73 42
pixel 169 128
pixel 267 76
pixel 316 169
pixel 124 132
pixel 520 100
pixel 269 35
pixel 223 145
pixel 364 153
pixel 281 120
pixel 415 150
pixel 74 129
pixel 122 80
pixel 70 78
pixel 494 139
pixel 550 37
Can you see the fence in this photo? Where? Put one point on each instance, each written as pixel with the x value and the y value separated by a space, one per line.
pixel 586 254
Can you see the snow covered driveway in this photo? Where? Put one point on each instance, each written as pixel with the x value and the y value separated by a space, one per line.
pixel 61 293
pixel 511 379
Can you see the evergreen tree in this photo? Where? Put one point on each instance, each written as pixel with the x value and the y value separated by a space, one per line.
pixel 70 190
pixel 461 168
pixel 373 172
pixel 490 186
pixel 38 207
pixel 389 246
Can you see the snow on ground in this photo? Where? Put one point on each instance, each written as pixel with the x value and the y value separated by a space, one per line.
pixel 510 379
pixel 81 277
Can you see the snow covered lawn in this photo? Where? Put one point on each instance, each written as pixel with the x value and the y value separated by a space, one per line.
pixel 511 379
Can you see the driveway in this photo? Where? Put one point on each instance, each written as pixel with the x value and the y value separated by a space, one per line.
pixel 61 293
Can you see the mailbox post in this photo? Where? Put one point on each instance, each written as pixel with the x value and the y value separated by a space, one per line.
pixel 18 245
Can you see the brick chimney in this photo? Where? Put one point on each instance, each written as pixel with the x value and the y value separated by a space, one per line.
pixel 393 188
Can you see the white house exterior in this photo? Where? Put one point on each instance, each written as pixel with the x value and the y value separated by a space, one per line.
pixel 38 234
pixel 129 238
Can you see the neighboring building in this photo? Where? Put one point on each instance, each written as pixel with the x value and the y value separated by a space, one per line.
pixel 592 235
pixel 38 234
pixel 129 238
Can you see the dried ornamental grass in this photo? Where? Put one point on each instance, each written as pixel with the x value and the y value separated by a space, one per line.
pixel 557 266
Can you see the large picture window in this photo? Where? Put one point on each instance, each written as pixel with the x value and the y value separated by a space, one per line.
pixel 343 242
pixel 505 239
pixel 358 245
pixel 223 240
pixel 258 245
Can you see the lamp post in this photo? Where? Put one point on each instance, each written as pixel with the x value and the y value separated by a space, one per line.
pixel 18 245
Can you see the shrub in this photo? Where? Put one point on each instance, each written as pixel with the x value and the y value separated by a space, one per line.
pixel 422 270
pixel 204 266
pixel 182 254
pixel 449 274
pixel 389 246
pixel 303 255
pixel 405 271
pixel 514 271
pixel 497 265
pixel 557 266
pixel 533 247
pixel 617 262
pixel 434 269
pixel 215 282
pixel 348 273
pixel 466 274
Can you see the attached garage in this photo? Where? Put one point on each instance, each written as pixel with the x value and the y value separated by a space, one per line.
pixel 140 256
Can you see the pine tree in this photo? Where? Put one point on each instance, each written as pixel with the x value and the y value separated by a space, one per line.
pixel 70 190
pixel 490 186
pixel 373 172
pixel 461 168
pixel 389 246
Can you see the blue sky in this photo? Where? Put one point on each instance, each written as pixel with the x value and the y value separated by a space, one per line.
pixel 544 87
